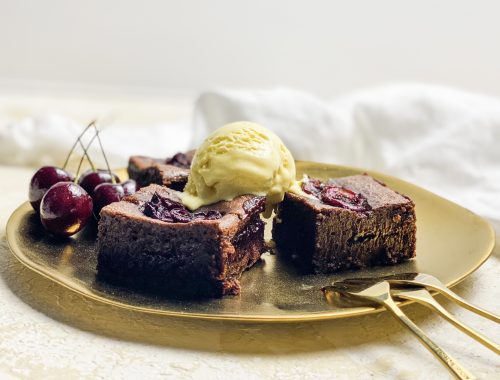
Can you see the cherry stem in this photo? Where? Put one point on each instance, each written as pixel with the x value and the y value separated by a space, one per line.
pixel 85 150
pixel 103 153
pixel 88 157
pixel 78 140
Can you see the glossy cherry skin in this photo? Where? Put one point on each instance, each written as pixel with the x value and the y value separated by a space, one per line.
pixel 129 187
pixel 42 180
pixel 89 180
pixel 65 209
pixel 105 194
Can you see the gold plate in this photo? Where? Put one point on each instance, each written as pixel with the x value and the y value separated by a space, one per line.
pixel 452 242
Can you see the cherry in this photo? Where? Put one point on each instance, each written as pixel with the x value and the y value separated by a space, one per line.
pixel 208 215
pixel 129 187
pixel 336 196
pixel 105 194
pixel 42 180
pixel 312 186
pixel 90 179
pixel 255 204
pixel 65 209
pixel 341 197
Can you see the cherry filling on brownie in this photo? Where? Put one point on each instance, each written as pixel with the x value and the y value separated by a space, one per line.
pixel 335 195
pixel 168 210
pixel 149 241
pixel 253 206
pixel 345 223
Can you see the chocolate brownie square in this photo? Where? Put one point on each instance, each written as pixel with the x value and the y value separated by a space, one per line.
pixel 345 223
pixel 172 172
pixel 149 241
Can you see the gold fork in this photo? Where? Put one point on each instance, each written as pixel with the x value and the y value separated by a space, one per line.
pixel 379 293
pixel 423 297
pixel 431 282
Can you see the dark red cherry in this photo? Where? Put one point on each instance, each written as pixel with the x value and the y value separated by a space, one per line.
pixel 65 209
pixel 42 180
pixel 312 186
pixel 129 187
pixel 255 204
pixel 105 194
pixel 341 197
pixel 90 179
pixel 181 215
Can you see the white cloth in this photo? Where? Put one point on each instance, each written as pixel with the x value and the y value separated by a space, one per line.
pixel 442 139
pixel 47 139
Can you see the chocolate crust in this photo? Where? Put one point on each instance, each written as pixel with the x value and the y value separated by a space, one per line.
pixel 326 239
pixel 202 258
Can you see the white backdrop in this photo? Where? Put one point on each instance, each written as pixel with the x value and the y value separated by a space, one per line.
pixel 175 49
pixel 325 47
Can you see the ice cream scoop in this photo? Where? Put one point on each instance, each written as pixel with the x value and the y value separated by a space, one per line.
pixel 240 158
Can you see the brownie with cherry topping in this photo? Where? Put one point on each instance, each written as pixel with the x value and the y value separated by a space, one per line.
pixel 345 223
pixel 172 172
pixel 149 241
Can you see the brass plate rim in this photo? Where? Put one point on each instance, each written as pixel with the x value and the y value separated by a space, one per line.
pixel 290 318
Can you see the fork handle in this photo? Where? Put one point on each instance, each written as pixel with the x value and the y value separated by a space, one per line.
pixel 475 309
pixel 451 364
pixel 432 304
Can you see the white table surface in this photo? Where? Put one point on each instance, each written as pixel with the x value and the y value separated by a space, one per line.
pixel 49 332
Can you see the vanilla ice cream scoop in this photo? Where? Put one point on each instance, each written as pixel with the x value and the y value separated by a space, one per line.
pixel 240 158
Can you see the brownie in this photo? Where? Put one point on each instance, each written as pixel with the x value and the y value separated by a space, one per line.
pixel 345 223
pixel 172 172
pixel 144 247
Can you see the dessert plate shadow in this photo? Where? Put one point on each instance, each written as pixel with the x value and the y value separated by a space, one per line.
pixel 452 242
